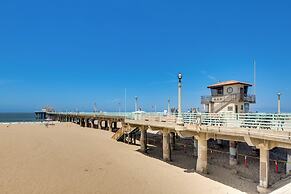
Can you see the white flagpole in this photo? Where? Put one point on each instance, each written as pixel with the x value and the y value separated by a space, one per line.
pixel 255 77
pixel 125 101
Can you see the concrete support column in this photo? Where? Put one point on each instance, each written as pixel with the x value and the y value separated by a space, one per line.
pixel 166 146
pixel 101 123
pixel 134 138
pixel 201 165
pixel 110 126
pixel 106 124
pixel 288 164
pixel 232 153
pixel 264 170
pixel 195 146
pixel 143 140
pixel 173 140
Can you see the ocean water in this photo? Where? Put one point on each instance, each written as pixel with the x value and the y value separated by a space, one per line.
pixel 17 117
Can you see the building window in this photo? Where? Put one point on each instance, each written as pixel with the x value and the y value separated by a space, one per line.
pixel 242 107
pixel 220 91
pixel 247 107
pixel 230 108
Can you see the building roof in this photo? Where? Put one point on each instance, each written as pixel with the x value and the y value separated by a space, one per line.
pixel 226 83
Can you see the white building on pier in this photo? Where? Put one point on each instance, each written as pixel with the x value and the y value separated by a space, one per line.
pixel 229 96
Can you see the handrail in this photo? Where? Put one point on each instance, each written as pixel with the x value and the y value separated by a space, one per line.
pixel 274 122
pixel 261 121
pixel 225 98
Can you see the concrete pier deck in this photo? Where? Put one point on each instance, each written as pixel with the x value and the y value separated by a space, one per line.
pixel 261 131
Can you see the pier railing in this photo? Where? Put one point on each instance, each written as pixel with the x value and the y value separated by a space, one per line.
pixel 264 121
pixel 278 122
pixel 128 115
pixel 228 98
pixel 261 121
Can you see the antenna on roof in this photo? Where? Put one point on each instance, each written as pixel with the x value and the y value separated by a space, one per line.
pixel 95 107
pixel 255 77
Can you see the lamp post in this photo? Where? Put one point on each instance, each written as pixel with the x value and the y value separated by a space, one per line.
pixel 180 116
pixel 136 108
pixel 169 109
pixel 119 107
pixel 279 103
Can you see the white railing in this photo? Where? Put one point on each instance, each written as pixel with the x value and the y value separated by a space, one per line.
pixel 128 115
pixel 274 122
pixel 230 97
pixel 278 122
pixel 263 121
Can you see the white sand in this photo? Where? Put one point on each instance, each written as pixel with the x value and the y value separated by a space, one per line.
pixel 68 159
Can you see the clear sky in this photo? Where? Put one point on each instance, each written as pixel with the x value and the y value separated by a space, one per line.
pixel 70 54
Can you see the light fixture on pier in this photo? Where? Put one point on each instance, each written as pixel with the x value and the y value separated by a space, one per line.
pixel 180 77
pixel 180 116
pixel 279 102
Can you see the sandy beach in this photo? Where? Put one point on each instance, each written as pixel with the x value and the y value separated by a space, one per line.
pixel 66 158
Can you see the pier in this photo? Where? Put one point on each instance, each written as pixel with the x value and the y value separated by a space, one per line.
pixel 226 117
pixel 263 131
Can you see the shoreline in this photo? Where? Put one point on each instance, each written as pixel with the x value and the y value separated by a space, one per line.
pixel 28 122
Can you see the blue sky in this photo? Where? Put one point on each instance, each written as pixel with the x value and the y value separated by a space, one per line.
pixel 70 54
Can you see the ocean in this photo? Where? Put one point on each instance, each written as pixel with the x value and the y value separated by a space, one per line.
pixel 17 117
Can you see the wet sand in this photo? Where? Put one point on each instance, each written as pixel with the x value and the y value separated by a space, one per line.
pixel 66 158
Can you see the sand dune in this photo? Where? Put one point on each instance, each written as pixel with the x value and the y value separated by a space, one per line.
pixel 68 159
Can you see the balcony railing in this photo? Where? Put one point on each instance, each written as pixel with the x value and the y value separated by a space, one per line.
pixel 250 98
pixel 228 98
pixel 206 99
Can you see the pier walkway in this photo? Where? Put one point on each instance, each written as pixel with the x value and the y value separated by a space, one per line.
pixel 261 130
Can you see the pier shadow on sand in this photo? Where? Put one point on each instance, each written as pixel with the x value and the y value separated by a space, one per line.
pixel 239 177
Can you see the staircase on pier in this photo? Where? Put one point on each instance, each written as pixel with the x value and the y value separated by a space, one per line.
pixel 229 99
pixel 125 131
